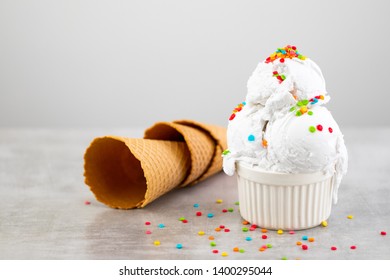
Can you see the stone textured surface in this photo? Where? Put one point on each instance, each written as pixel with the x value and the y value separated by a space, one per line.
pixel 43 215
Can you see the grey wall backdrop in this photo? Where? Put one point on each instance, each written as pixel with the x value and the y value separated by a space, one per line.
pixel 131 63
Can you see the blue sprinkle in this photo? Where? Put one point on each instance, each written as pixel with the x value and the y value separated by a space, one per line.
pixel 179 246
pixel 244 103
pixel 248 238
pixel 251 138
pixel 283 52
pixel 210 215
pixel 161 226
pixel 196 205
pixel 304 237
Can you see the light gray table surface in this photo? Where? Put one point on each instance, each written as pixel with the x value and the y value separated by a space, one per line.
pixel 43 215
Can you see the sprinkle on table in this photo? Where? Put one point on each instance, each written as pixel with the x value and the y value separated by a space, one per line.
pixel 179 246
pixel 210 215
pixel 161 225
pixel 248 238
pixel 200 232
pixel 280 231
pixel 324 223
pixel 196 205
pixel 304 247
pixel 148 232
pixel 198 213
pixel 350 217
pixel 215 251
pixel 311 239
pixel 87 202
pixel 224 254
pixel 147 223
pixel 219 201
pixel 383 233
pixel 333 248
pixel 304 237
pixel 353 247
pixel 230 209
pixel 156 243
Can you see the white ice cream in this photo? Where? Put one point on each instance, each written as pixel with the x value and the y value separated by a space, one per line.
pixel 268 133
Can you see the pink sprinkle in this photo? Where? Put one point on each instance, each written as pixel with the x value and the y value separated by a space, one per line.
pixel 87 202
pixel 264 246
pixel 264 236
pixel 292 232
pixel 383 233
pixel 333 248
pixel 147 223
pixel 226 230
pixel 252 229
pixel 224 210
pixel 148 232
pixel 304 247
pixel 353 247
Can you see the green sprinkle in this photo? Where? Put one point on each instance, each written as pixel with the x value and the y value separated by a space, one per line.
pixel 298 113
pixel 182 219
pixel 244 229
pixel 213 244
pixel 236 203
pixel 242 251
pixel 299 103
pixel 226 152
pixel 283 77
pixel 312 129
pixel 305 102
pixel 292 109
pixel 269 246
pixel 310 113
pixel 230 209
pixel 284 258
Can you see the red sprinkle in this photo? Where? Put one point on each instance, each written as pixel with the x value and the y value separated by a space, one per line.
pixel 215 251
pixel 264 236
pixel 254 226
pixel 232 117
pixel 304 247
pixel 87 202
pixel 319 127
pixel 275 72
pixel 224 210
pixel 221 226
pixel 282 60
pixel 383 233
pixel 198 214
pixel 330 129
pixel 226 230
pixel 353 247
pixel 294 48
pixel 184 221
pixel 147 223
pixel 333 248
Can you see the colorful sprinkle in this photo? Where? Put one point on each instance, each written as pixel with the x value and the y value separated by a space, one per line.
pixel 311 239
pixel 200 232
pixel 324 223
pixel 237 203
pixel 224 254
pixel 263 230
pixel 213 244
pixel 383 232
pixel 292 109
pixel 184 221
pixel 291 232
pixel 198 214
pixel 181 219
pixel 333 248
pixel 156 243
pixel 219 201
pixel 148 232
pixel 87 202
pixel 217 229
pixel 330 129
pixel 226 230
pixel 353 247
pixel 179 246
pixel 196 205
pixel 245 222
pixel 230 209
pixel 299 243
pixel 251 138
pixel 211 237
pixel 298 113
pixel 305 247
pixel 224 210
pixel 304 237
pixel 264 236
pixel 350 217
pixel 264 143
pixel 242 251
pixel 284 258
pixel 248 238
pixel 232 116
pixel 161 225
pixel 280 231
pixel 269 245
pixel 215 251
pixel 319 127
pixel 312 129
pixel 245 229
pixel 224 153
pixel 261 249
pixel 310 113
pixel 147 223
pixel 210 215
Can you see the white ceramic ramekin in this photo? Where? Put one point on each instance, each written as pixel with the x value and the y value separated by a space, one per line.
pixel 284 201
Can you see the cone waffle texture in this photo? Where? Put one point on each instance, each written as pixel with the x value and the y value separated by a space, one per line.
pixel 129 173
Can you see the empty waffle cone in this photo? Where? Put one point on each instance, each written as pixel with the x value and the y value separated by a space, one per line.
pixel 128 173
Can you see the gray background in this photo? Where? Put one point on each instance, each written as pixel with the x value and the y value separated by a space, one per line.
pixel 132 63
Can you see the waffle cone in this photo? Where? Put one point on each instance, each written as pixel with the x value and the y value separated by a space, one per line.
pixel 130 173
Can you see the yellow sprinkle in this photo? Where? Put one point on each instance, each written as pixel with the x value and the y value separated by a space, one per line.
pixel 322 97
pixel 280 231
pixel 350 217
pixel 303 109
pixel 324 223
pixel 303 57
pixel 201 232
pixel 224 254
pixel 219 201
pixel 157 243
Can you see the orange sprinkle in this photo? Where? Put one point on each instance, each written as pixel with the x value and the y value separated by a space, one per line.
pixel 211 237
pixel 311 239
pixel 217 229
pixel 322 97
pixel 264 143
pixel 236 249
pixel 299 243
pixel 263 230
pixel 262 249
pixel 245 222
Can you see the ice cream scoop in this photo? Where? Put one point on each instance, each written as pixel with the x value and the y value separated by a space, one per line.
pixel 283 125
